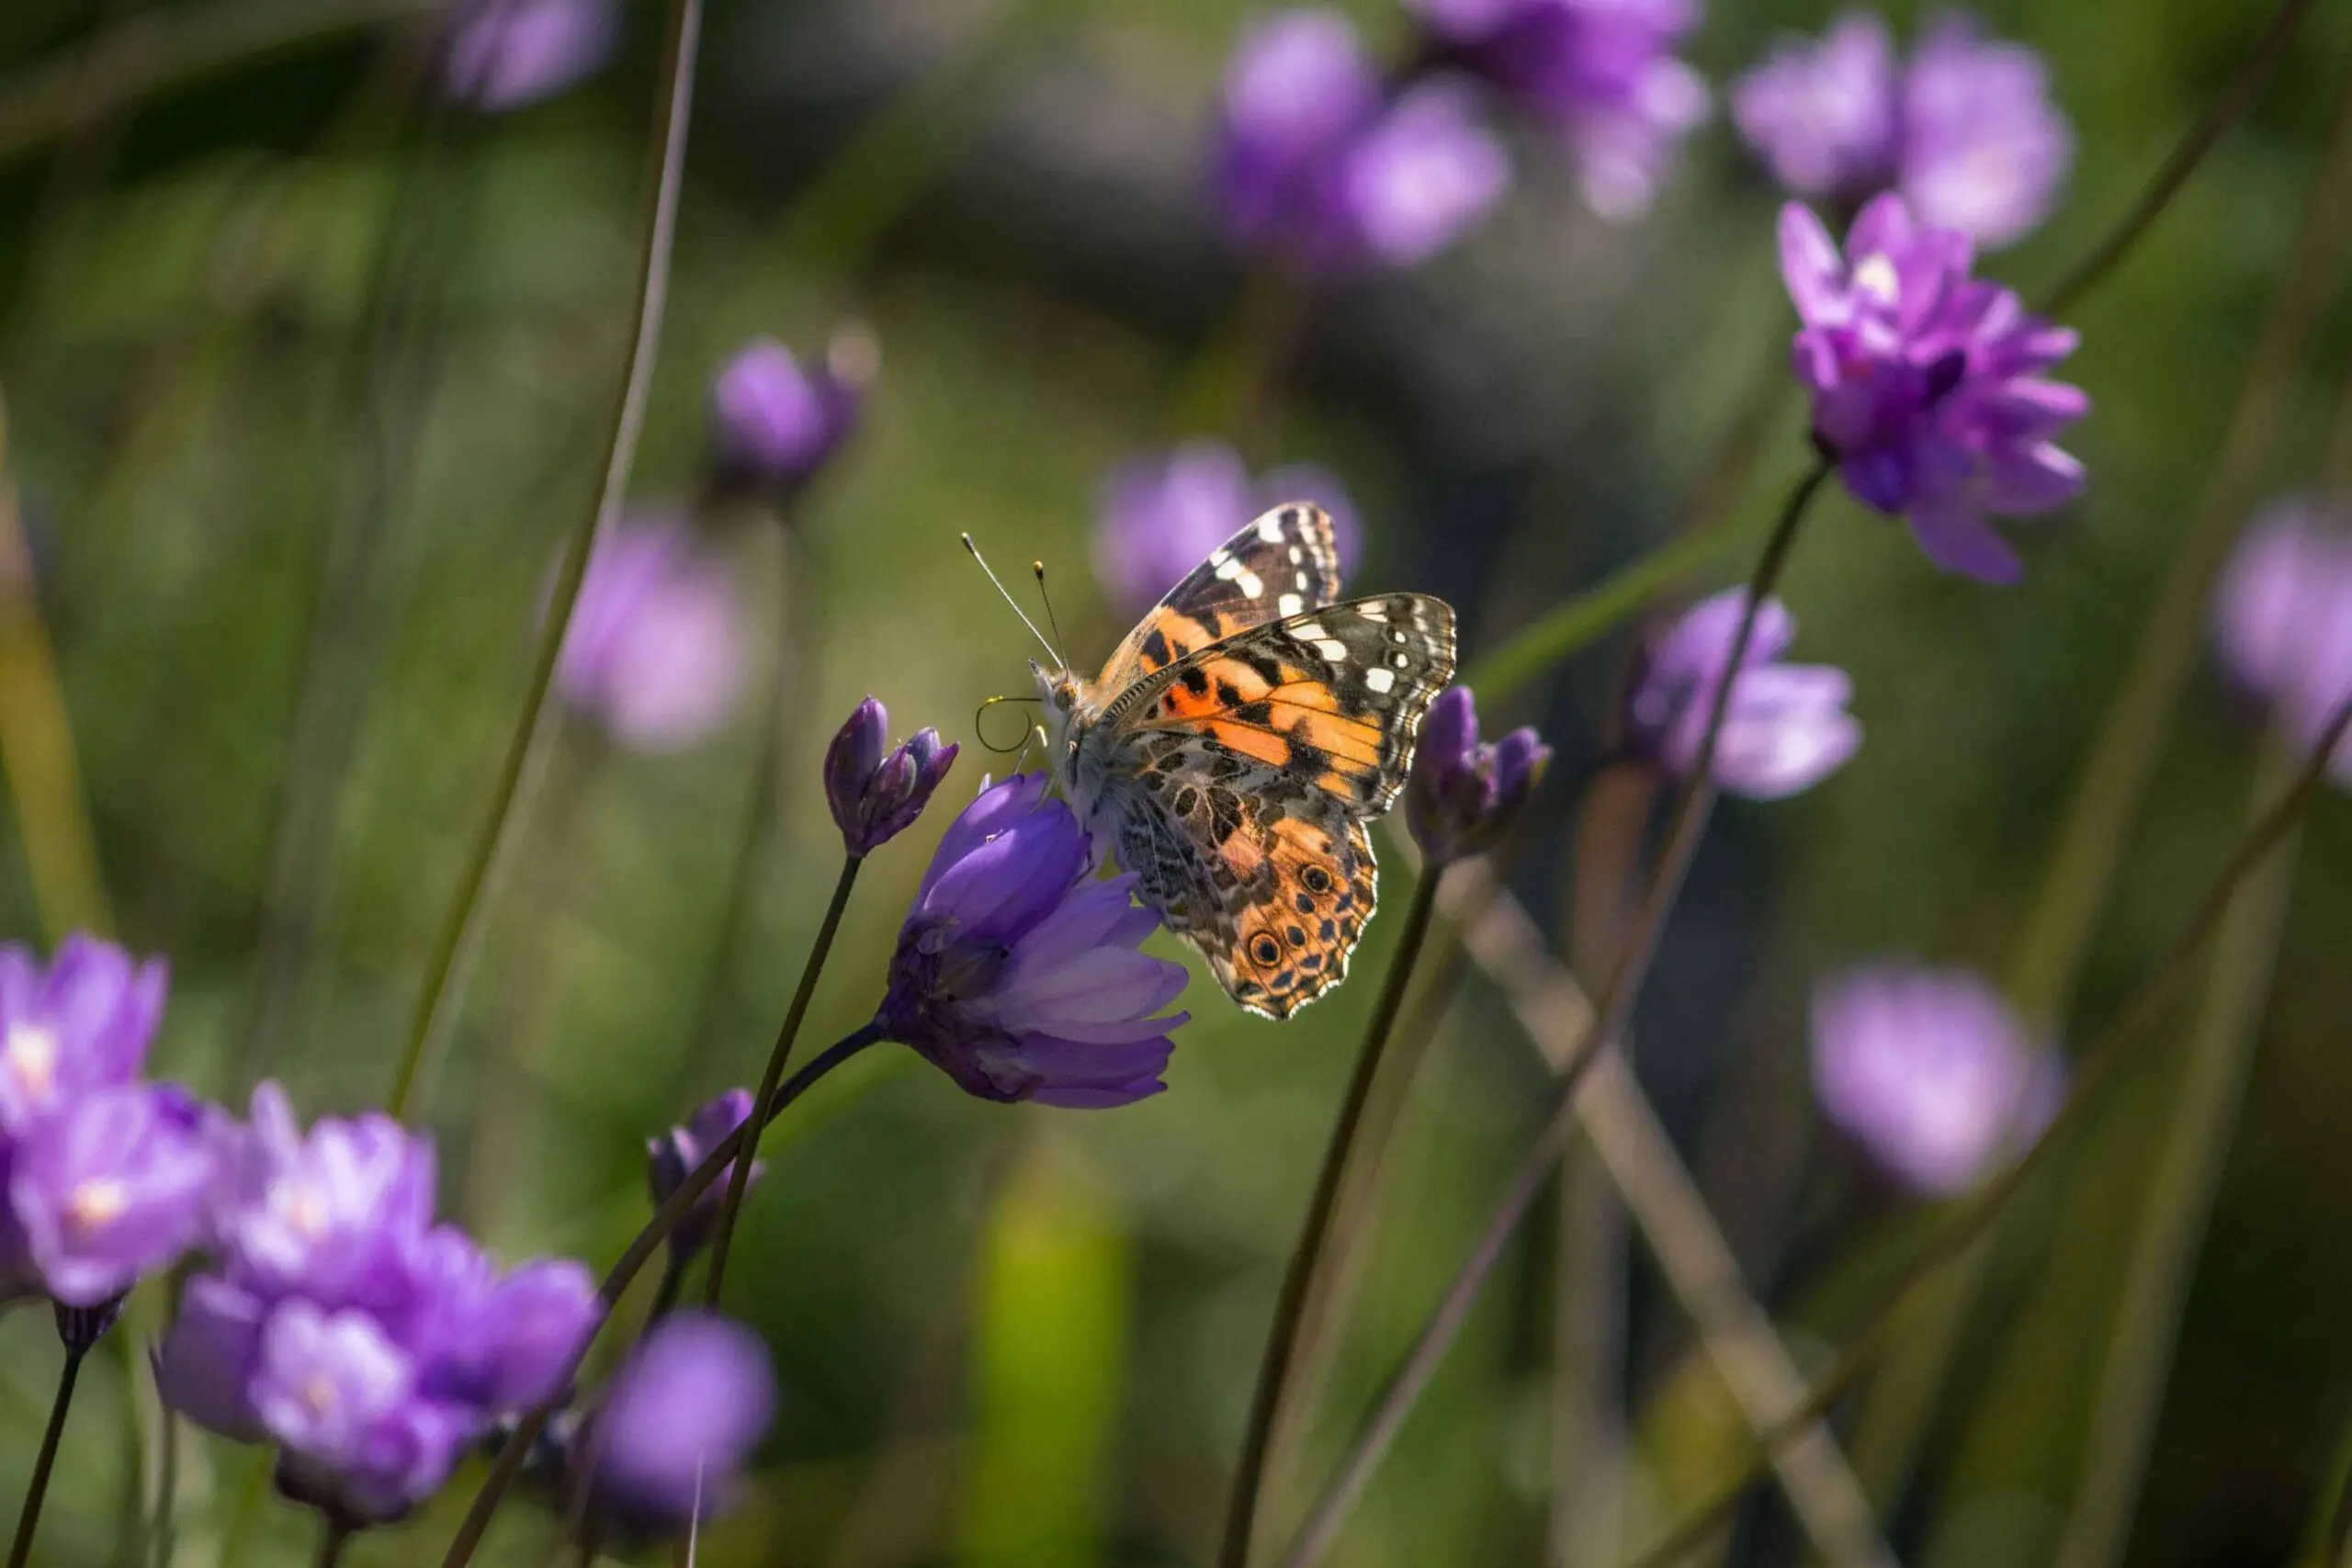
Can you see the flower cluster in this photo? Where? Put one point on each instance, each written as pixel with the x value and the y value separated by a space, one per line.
pixel 875 793
pixel 1928 386
pixel 109 1176
pixel 1966 132
pixel 775 422
pixel 1601 72
pixel 2283 621
pixel 1930 1070
pixel 504 55
pixel 337 1323
pixel 1162 516
pixel 1316 159
pixel 655 651
pixel 1785 727
pixel 1464 796
pixel 1016 971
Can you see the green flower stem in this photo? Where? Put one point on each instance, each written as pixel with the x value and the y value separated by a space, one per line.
pixel 2112 1051
pixel 526 753
pixel 334 1534
pixel 1692 806
pixel 2181 1200
pixel 624 1272
pixel 764 1103
pixel 1305 1259
pixel 37 1489
pixel 2056 936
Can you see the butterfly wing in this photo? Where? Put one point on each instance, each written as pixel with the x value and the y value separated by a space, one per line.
pixel 1282 563
pixel 1243 775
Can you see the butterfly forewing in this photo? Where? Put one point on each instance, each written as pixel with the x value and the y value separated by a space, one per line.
pixel 1281 563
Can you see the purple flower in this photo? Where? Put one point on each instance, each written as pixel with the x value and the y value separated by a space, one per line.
pixel 1786 728
pixel 1826 118
pixel 673 1158
pixel 1930 1071
pixel 1016 973
pixel 1967 132
pixel 1161 517
pixel 338 1323
pixel 682 1414
pixel 655 650
pixel 2283 620
pixel 507 53
pixel 106 1177
pixel 774 422
pixel 1464 796
pixel 1602 72
pixel 1984 149
pixel 1928 386
pixel 874 794
pixel 1315 160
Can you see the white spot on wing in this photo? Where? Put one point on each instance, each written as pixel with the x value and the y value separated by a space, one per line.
pixel 1308 631
pixel 1270 529
pixel 1332 649
pixel 1289 604
pixel 1380 680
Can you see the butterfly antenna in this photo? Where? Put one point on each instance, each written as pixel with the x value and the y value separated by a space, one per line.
pixel 1039 568
pixel 1009 599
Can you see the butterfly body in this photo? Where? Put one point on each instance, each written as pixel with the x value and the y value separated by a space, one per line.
pixel 1235 746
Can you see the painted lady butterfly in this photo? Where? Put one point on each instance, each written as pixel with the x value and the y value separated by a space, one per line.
pixel 1238 742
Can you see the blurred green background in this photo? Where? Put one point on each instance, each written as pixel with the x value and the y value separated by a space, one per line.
pixel 302 298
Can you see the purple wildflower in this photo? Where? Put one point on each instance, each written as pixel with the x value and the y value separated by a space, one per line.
pixel 1966 132
pixel 876 794
pixel 2283 621
pixel 655 652
pixel 1930 1071
pixel 775 422
pixel 107 1178
pixel 1016 973
pixel 1464 795
pixel 338 1323
pixel 1928 386
pixel 1315 160
pixel 673 1158
pixel 1161 517
pixel 1602 72
pixel 507 53
pixel 1786 728
pixel 682 1417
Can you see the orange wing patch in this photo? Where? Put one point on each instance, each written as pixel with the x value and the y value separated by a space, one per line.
pixel 1294 944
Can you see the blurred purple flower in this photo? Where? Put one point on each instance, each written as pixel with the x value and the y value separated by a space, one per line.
pixel 1602 72
pixel 876 794
pixel 336 1322
pixel 682 1417
pixel 775 422
pixel 2283 620
pixel 1930 1071
pixel 1314 158
pixel 1927 384
pixel 1785 728
pixel 655 652
pixel 506 53
pixel 1016 971
pixel 1464 795
pixel 106 1177
pixel 1967 132
pixel 673 1158
pixel 1160 517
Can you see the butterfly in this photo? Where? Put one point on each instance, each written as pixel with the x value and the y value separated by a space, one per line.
pixel 1239 741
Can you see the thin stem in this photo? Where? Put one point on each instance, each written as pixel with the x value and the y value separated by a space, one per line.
pixel 2206 1104
pixel 535 729
pixel 1307 1255
pixel 1624 983
pixel 632 1261
pixel 334 1534
pixel 167 46
pixel 2107 1055
pixel 28 1522
pixel 2237 97
pixel 723 1235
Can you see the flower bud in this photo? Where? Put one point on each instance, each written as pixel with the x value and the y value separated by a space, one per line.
pixel 1464 795
pixel 875 795
pixel 671 1157
pixel 774 422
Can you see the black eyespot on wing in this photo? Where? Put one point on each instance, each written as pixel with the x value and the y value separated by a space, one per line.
pixel 1264 951
pixel 1317 880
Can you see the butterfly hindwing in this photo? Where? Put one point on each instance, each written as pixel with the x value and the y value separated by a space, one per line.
pixel 1283 562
